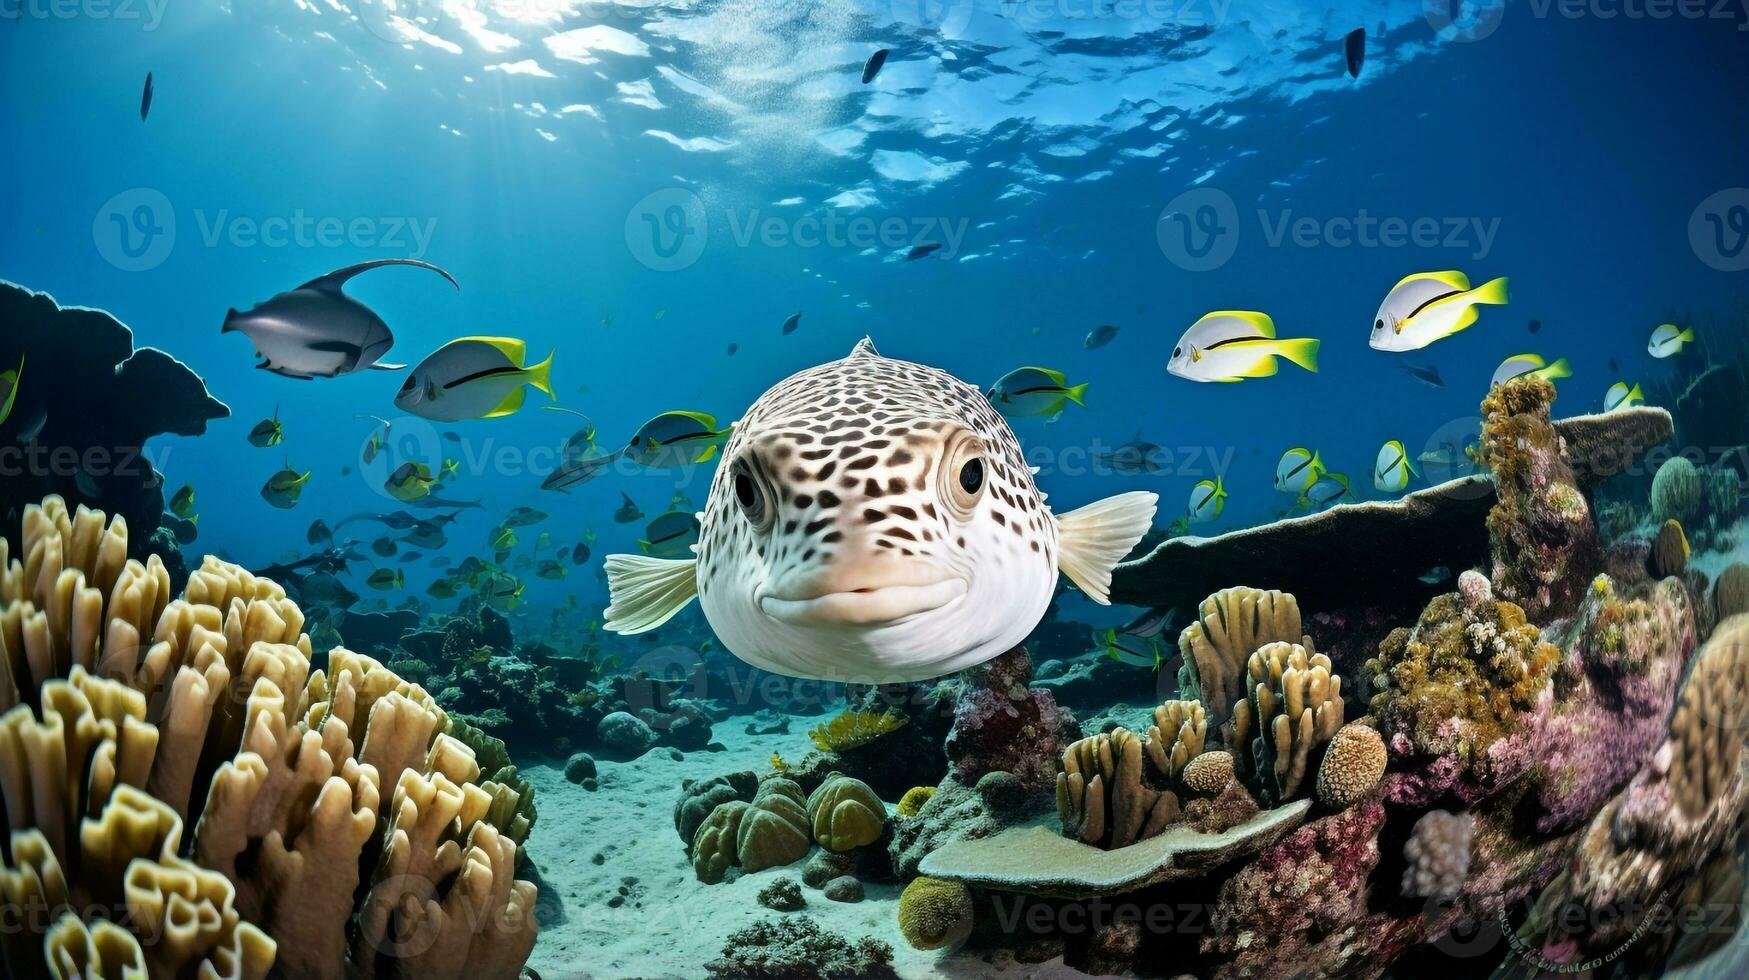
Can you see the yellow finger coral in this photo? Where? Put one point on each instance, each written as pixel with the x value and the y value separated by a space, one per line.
pixel 131 714
pixel 845 814
pixel 1103 798
pixel 935 914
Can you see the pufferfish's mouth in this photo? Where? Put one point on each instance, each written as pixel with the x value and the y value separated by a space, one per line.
pixel 863 607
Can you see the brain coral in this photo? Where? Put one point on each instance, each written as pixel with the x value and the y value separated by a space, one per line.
pixel 913 800
pixel 1676 490
pixel 337 829
pixel 774 830
pixel 1352 766
pixel 934 913
pixel 845 814
pixel 1209 772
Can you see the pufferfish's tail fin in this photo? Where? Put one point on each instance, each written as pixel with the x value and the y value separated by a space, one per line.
pixel 1094 538
pixel 646 592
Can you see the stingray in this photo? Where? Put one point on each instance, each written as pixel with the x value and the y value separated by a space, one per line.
pixel 317 331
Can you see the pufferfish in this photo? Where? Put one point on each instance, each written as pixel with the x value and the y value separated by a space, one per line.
pixel 874 520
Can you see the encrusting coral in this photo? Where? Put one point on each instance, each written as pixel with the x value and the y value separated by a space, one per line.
pixel 131 713
pixel 1461 680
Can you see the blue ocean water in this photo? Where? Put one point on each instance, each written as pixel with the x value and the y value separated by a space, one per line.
pixel 639 186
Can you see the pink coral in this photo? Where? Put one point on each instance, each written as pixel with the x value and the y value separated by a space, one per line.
pixel 1002 725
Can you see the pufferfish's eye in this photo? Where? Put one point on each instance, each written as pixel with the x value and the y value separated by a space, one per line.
pixel 964 474
pixel 751 495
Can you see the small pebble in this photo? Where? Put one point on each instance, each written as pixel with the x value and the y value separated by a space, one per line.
pixel 844 889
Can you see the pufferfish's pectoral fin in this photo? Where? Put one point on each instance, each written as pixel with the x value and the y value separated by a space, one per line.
pixel 646 592
pixel 1091 540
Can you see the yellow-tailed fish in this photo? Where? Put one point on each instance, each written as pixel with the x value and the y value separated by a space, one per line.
pixel 671 535
pixel 501 539
pixel 1298 469
pixel 268 432
pixel 1331 488
pixel 1667 340
pixel 1035 391
pixel 1232 345
pixel 1620 395
pixel 283 489
pixel 1519 365
pixel 676 439
pixel 1429 306
pixel 1392 471
pixel 1207 500
pixel 441 589
pixel 473 378
pixel 182 503
pixel 551 570
pixel 385 579
pixel 411 481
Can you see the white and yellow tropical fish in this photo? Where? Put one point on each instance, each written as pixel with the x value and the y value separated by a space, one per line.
pixel 1519 365
pixel 875 520
pixel 1232 345
pixel 473 378
pixel 1668 340
pixel 1620 395
pixel 1392 471
pixel 1430 306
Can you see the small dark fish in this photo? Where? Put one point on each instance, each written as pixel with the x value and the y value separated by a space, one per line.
pixel 922 251
pixel 1428 375
pixel 1099 336
pixel 451 435
pixel 146 98
pixel 790 325
pixel 733 348
pixel 1354 49
pixel 580 554
pixel 345 471
pixel 627 512
pixel 1535 325
pixel 1614 368
pixel 872 66
pixel 319 534
pixel 383 546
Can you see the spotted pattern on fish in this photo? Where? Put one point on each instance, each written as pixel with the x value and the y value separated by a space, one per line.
pixel 850 452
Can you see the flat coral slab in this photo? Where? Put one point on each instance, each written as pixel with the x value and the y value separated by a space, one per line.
pixel 1035 860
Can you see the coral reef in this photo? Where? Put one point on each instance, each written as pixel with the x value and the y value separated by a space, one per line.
pixel 774 828
pixel 1002 724
pixel 845 814
pixel 338 829
pixel 699 797
pixel 97 401
pixel 1541 536
pixel 1353 765
pixel 1464 678
pixel 796 948
pixel 1679 811
pixel 957 812
pixel 1180 728
pixel 1437 855
pixel 935 914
